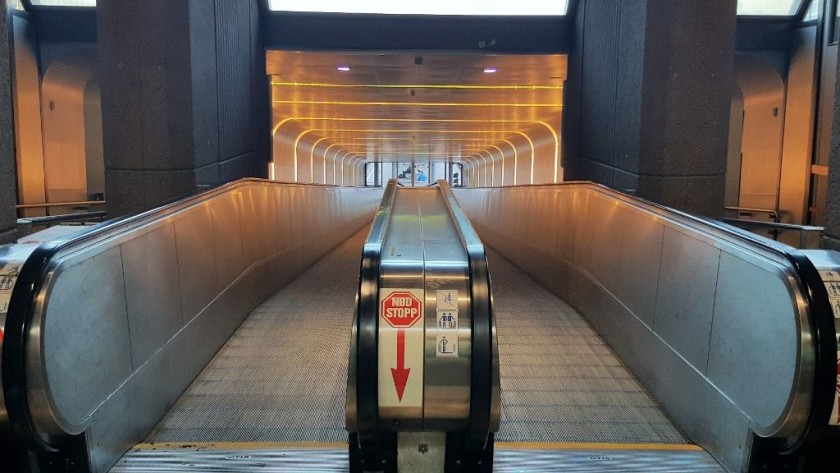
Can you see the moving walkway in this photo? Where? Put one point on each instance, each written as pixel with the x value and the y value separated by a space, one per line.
pixel 109 333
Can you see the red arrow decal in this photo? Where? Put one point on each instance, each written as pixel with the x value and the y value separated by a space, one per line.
pixel 400 374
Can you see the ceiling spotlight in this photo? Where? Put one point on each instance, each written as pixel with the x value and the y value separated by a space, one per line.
pixel 489 70
pixel 343 68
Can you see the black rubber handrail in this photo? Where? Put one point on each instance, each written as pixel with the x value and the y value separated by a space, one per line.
pixel 481 361
pixel 28 286
pixel 367 335
pixel 825 356
pixel 820 315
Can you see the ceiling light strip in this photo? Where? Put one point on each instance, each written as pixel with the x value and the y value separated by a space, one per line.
pixel 418 86
pixel 556 147
pixel 515 160
pixel 492 167
pixel 533 151
pixel 502 154
pixel 326 153
pixel 415 104
pixel 312 161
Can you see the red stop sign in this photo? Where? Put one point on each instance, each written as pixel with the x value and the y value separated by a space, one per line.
pixel 401 309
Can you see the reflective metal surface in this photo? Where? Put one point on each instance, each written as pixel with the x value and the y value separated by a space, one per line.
pixel 281 376
pixel 535 458
pixel 12 258
pixel 422 245
pixel 121 304
pixel 717 328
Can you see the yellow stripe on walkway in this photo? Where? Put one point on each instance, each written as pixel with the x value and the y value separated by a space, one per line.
pixel 595 446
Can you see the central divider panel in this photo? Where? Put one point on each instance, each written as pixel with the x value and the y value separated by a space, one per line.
pixel 423 377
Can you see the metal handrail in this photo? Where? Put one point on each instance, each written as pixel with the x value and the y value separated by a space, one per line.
pixel 484 354
pixel 51 219
pixel 60 204
pixel 817 319
pixel 775 214
pixel 33 279
pixel 367 318
pixel 804 230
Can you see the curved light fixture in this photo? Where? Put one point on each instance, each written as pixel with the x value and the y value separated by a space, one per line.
pixel 532 153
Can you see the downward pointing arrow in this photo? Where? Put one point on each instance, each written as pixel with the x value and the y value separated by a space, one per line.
pixel 400 373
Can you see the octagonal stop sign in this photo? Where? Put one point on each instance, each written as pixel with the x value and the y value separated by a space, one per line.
pixel 401 309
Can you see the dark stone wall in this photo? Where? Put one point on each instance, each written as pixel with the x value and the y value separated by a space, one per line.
pixel 831 237
pixel 648 112
pixel 8 179
pixel 184 98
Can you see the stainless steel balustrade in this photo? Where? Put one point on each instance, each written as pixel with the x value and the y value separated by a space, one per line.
pixel 422 244
pixel 106 329
pixel 730 332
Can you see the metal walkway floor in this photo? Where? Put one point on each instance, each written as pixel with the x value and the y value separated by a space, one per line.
pixel 272 399
pixel 281 377
pixel 560 381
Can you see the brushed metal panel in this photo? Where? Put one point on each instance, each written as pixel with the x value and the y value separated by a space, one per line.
pixel 195 245
pixel 228 243
pixel 584 214
pixel 606 222
pixel 87 375
pixel 754 339
pixel 255 244
pixel 153 292
pixel 401 266
pixel 127 416
pixel 638 273
pixel 86 344
pixel 684 255
pixel 446 383
pixel 686 295
pixel 697 407
pixel 567 221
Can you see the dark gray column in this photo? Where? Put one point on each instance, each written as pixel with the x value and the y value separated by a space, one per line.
pixel 648 99
pixel 8 180
pixel 831 237
pixel 184 98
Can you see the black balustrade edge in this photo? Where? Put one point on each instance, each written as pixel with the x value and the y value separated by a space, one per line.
pixel 820 315
pixel 15 343
pixel 23 302
pixel 367 338
pixel 481 369
pixel 821 319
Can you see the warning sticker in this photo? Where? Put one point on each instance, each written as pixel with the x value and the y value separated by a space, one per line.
pixel 447 319
pixel 829 275
pixel 835 414
pixel 447 300
pixel 401 334
pixel 447 345
pixel 9 273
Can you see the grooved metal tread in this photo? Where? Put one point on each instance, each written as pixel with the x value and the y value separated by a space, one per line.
pixel 191 458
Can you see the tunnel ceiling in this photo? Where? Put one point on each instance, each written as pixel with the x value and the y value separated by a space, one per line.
pixel 390 107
